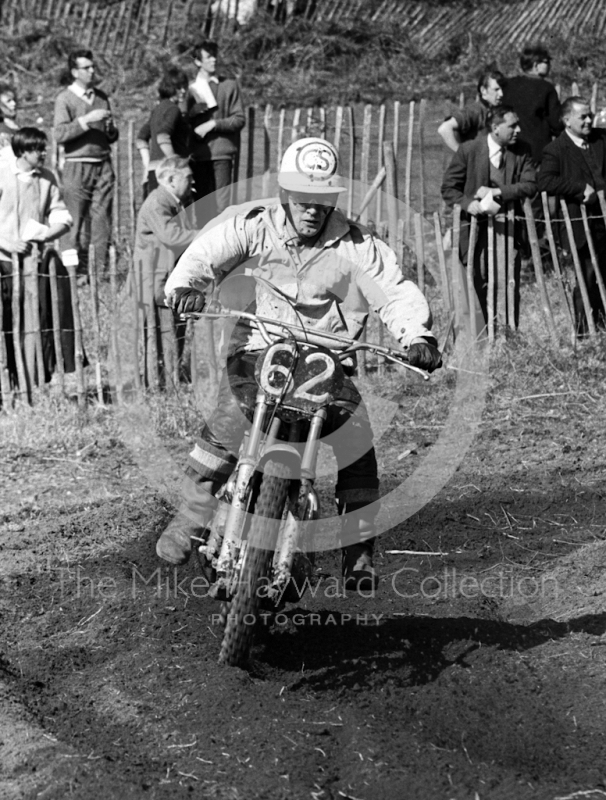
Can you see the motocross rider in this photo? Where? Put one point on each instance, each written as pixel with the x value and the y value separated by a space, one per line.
pixel 320 270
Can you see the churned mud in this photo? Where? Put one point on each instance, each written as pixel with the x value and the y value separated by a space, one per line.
pixel 475 672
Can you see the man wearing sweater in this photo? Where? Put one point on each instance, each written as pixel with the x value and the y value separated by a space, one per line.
pixel 85 128
pixel 216 115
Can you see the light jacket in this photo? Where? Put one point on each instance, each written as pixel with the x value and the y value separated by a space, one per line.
pixel 329 286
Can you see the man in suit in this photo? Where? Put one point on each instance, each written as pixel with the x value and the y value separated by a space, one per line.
pixel 484 175
pixel 216 115
pixel 163 233
pixel 574 168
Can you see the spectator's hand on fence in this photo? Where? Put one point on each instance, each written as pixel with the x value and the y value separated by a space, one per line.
pixel 589 195
pixel 205 128
pixel 19 247
pixel 474 208
pixel 188 301
pixel 482 192
pixel 425 355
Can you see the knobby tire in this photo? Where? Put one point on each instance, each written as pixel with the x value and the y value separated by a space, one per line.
pixel 238 635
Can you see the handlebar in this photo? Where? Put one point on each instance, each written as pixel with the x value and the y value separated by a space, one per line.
pixel 269 328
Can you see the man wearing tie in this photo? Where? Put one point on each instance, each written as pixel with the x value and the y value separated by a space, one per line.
pixel 85 128
pixel 484 175
pixel 574 168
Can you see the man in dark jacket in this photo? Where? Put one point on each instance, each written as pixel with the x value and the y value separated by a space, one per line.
pixel 484 175
pixel 216 115
pixel 574 168
pixel 535 101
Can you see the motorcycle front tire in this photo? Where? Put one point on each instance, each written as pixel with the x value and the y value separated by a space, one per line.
pixel 242 612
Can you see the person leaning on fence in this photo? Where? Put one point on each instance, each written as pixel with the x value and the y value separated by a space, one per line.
pixel 31 211
pixel 163 232
pixel 84 126
pixel 574 168
pixel 216 115
pixel 535 101
pixel 167 132
pixel 483 176
pixel 466 123
pixel 312 260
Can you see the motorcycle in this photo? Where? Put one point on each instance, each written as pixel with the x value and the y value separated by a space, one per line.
pixel 256 554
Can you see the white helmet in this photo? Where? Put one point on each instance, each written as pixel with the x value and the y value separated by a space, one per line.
pixel 311 165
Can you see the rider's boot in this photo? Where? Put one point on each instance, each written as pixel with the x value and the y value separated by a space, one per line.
pixel 359 574
pixel 192 519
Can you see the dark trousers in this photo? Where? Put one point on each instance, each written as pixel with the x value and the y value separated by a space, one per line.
pixel 212 181
pixel 593 290
pixel 88 191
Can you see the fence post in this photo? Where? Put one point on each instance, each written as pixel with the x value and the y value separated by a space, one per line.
pixel 490 293
pixel 446 287
pixel 364 163
pixel 392 193
pixel 500 233
pixel 113 286
pixel 512 292
pixel 455 265
pixel 131 179
pixel 380 159
pixel 250 151
pixel 94 298
pixel 338 126
pixel 471 289
pixel 396 126
pixel 5 384
pixel 267 149
pixel 538 269
pixel 408 178
pixel 35 315
pixel 280 150
pixel 136 332
pixel 352 155
pixel 422 110
pixel 579 272
pixel 78 350
pixel 22 378
pixel 556 264
pixel 419 252
pixel 56 318
pixel 294 133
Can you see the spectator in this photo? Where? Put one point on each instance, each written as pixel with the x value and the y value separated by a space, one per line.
pixel 535 100
pixel 465 124
pixel 85 127
pixel 163 232
pixel 31 210
pixel 166 133
pixel 574 168
pixel 216 115
pixel 8 118
pixel 483 174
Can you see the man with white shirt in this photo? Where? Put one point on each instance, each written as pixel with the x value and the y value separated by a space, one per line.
pixel 574 168
pixel 216 116
pixel 484 175
pixel 85 127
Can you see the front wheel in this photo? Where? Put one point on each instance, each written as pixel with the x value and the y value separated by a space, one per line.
pixel 242 612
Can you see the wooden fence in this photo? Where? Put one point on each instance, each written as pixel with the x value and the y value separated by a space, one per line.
pixel 111 27
pixel 384 157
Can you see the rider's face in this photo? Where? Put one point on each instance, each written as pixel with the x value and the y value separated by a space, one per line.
pixel 309 212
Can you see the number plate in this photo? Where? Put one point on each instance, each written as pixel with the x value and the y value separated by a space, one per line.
pixel 305 376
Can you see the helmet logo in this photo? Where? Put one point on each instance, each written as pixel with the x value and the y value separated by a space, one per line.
pixel 316 160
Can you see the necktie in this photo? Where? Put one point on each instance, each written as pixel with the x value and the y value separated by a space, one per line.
pixel 499 155
pixel 88 95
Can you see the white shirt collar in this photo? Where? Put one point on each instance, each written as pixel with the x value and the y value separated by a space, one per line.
pixel 79 91
pixel 494 147
pixel 577 140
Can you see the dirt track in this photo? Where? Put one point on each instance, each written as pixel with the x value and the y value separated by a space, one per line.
pixel 435 688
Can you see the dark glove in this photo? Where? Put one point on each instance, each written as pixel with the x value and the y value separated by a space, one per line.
pixel 425 356
pixel 188 301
